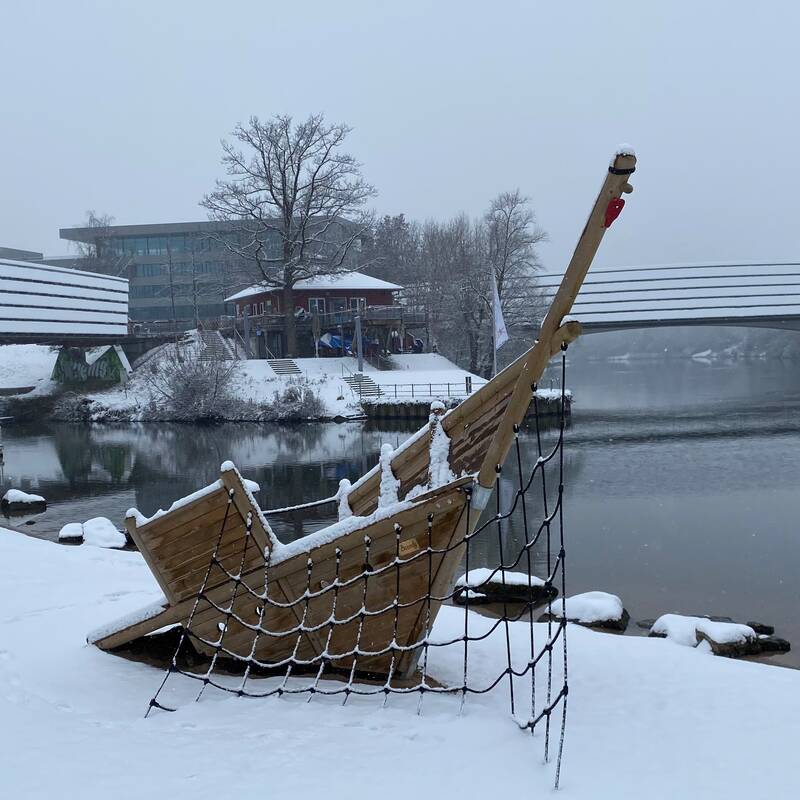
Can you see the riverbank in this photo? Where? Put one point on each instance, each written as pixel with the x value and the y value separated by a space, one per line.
pixel 727 725
pixel 296 390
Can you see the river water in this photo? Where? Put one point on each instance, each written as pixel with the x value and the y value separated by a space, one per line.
pixel 681 482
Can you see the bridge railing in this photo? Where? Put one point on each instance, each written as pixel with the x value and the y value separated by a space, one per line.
pixel 695 294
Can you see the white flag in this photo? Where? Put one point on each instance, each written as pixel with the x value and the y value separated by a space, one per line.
pixel 500 332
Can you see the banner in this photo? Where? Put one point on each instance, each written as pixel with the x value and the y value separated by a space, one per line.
pixel 500 332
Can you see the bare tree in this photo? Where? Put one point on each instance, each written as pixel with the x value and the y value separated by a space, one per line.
pixel 98 257
pixel 293 201
pixel 512 235
pixel 454 277
pixel 394 249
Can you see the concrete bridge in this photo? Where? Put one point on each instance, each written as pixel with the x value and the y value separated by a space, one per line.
pixel 759 295
pixel 43 304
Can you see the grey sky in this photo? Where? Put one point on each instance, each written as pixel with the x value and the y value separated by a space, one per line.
pixel 119 106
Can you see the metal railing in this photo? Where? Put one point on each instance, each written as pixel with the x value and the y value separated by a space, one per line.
pixel 425 391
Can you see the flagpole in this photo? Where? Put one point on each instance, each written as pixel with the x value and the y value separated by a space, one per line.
pixel 494 322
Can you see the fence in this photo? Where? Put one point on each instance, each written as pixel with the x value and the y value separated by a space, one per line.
pixel 427 390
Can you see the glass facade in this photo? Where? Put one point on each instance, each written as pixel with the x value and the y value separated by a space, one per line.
pixel 192 270
pixel 170 245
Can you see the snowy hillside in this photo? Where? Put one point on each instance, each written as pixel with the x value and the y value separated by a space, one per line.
pixel 25 365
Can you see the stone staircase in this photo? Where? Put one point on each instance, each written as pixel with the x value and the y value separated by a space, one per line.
pixel 215 347
pixel 284 366
pixel 362 385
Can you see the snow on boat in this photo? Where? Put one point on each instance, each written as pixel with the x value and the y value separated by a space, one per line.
pixel 359 596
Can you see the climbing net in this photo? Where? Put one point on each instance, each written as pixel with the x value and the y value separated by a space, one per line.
pixel 369 632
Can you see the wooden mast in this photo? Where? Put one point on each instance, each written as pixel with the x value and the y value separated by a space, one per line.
pixel 553 333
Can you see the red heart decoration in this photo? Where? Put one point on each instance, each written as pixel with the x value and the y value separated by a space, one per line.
pixel 615 205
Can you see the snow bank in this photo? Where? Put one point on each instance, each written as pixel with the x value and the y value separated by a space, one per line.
pixel 637 703
pixel 18 497
pixel 683 630
pixel 101 532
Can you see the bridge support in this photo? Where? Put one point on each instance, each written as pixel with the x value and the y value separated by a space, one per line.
pixel 105 365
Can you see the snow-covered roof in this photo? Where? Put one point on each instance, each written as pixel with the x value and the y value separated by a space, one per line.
pixel 347 280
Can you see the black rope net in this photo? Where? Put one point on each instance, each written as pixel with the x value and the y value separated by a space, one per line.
pixel 344 665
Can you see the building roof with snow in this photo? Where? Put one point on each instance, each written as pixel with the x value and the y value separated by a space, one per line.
pixel 347 281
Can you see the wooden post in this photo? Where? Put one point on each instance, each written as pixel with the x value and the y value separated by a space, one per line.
pixel 552 333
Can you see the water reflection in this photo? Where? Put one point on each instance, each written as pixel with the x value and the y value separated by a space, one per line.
pixel 150 466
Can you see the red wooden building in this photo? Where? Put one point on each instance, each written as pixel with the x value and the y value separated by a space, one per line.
pixel 321 295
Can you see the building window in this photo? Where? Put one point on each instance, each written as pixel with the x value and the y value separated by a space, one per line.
pixel 135 245
pixel 149 270
pixel 316 305
pixel 147 290
pixel 157 245
pixel 358 303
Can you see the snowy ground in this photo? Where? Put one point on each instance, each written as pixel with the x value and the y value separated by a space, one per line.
pixel 25 365
pixel 647 718
pixel 31 365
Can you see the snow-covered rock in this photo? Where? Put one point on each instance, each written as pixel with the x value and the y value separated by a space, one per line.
pixel 484 585
pixel 71 532
pixel 592 609
pixel 101 532
pixel 15 498
pixel 724 641
pixel 689 631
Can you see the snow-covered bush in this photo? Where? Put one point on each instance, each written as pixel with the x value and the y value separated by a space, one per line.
pixel 298 401
pixel 184 387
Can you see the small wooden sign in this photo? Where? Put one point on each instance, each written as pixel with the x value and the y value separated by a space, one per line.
pixel 408 547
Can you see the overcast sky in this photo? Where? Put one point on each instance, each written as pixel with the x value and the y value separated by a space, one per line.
pixel 119 107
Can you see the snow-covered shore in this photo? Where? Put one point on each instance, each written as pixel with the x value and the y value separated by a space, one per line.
pixel 260 392
pixel 647 718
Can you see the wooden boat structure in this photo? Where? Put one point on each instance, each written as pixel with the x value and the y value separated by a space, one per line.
pixel 360 596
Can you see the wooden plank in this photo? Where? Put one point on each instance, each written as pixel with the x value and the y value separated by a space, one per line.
pixel 616 181
pixel 161 532
pixel 141 546
pixel 184 515
pixel 169 616
pixel 181 545
pixel 231 479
